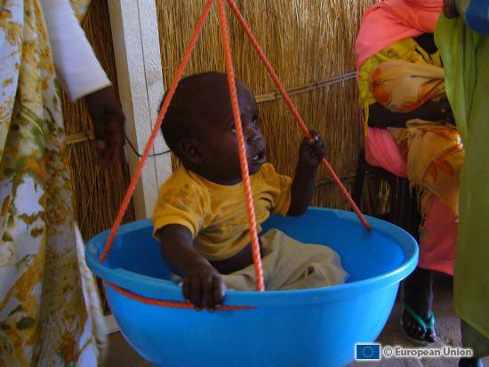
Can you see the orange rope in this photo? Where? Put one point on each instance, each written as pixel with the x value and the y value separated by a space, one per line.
pixel 156 128
pixel 170 304
pixel 255 244
pixel 293 107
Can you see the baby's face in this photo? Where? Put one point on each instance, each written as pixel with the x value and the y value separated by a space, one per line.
pixel 219 143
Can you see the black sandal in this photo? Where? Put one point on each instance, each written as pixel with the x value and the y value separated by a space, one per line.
pixel 424 333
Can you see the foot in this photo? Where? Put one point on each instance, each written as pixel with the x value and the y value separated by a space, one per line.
pixel 470 362
pixel 419 330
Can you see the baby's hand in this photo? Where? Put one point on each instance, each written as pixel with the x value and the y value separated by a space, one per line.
pixel 204 287
pixel 312 151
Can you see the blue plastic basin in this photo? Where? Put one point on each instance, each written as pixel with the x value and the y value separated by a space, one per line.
pixel 300 328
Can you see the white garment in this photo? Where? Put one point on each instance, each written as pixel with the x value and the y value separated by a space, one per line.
pixel 76 64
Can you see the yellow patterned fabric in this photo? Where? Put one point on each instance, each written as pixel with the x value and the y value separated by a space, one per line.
pixel 402 78
pixel 406 50
pixel 435 157
pixel 403 86
pixel 50 312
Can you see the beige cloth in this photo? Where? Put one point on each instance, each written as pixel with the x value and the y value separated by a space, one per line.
pixel 290 264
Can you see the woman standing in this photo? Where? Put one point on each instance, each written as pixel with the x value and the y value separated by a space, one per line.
pixel 465 54
pixel 50 313
pixel 410 133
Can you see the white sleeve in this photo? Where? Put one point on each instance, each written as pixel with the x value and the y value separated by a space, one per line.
pixel 76 64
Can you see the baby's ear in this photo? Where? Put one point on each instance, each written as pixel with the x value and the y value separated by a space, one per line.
pixel 190 151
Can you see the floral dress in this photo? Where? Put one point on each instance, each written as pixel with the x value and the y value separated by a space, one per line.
pixel 50 312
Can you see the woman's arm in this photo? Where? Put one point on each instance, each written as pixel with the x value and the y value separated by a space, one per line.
pixel 381 117
pixel 76 64
pixel 82 76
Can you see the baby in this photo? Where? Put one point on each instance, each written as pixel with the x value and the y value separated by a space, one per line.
pixel 200 217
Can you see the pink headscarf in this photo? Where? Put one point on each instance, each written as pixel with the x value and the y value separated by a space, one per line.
pixel 390 21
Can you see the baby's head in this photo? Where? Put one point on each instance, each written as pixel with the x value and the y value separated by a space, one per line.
pixel 199 128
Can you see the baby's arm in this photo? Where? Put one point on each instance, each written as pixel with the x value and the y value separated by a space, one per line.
pixel 310 155
pixel 202 285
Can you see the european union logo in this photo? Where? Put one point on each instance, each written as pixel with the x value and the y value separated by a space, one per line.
pixel 367 352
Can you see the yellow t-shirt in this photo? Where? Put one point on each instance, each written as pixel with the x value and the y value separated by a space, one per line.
pixel 216 214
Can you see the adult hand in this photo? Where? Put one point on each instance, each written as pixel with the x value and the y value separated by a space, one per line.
pixel 108 119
